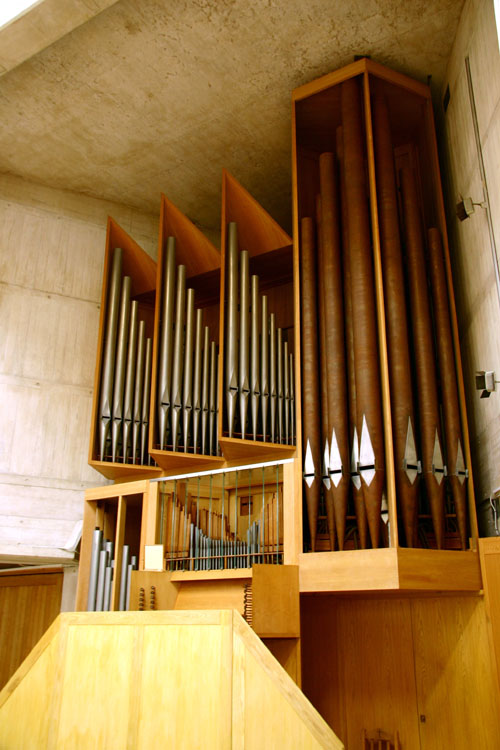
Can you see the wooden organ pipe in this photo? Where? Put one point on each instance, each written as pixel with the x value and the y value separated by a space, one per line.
pixel 430 430
pixel 333 323
pixel 403 418
pixel 310 384
pixel 356 484
pixel 325 445
pixel 368 394
pixel 449 392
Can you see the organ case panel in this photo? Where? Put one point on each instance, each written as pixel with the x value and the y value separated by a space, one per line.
pixel 384 442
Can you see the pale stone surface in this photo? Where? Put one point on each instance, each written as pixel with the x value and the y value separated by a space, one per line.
pixel 473 267
pixel 152 96
pixel 51 259
pixel 42 25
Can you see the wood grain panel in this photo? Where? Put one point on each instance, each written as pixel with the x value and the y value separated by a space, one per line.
pixel 178 667
pixel 28 605
pixel 156 679
pixel 377 672
pixel 321 660
pixel 287 652
pixel 211 595
pixel 96 658
pixel 350 570
pixel 275 592
pixel 17 732
pixel 282 728
pixel 456 684
pixel 489 550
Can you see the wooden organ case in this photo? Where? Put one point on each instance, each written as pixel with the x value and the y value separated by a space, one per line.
pixel 374 532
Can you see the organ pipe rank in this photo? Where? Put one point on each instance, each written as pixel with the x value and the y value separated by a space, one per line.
pixel 126 376
pixel 343 429
pixel 258 366
pixel 187 404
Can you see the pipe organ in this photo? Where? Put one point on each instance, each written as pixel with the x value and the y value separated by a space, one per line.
pixel 307 425
pixel 384 455
pixel 383 424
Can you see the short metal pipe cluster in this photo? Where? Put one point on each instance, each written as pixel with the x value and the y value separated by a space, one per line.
pixel 103 570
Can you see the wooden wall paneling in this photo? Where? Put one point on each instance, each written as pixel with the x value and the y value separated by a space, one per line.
pixel 30 600
pixel 378 676
pixel 198 723
pixel 18 732
pixel 92 708
pixel 292 511
pixel 275 594
pixel 349 571
pixel 321 660
pixel 438 570
pixel 90 522
pixel 457 689
pixel 225 594
pixel 490 564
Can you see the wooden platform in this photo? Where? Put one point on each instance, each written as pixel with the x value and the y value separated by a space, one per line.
pixel 394 569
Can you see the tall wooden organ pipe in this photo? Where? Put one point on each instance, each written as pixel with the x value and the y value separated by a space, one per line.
pixel 403 419
pixel 335 413
pixel 356 484
pixel 310 386
pixel 369 424
pixel 323 355
pixel 430 427
pixel 457 471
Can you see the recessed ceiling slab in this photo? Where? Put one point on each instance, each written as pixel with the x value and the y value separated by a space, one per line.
pixel 156 96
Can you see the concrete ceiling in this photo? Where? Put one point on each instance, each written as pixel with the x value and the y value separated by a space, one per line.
pixel 159 95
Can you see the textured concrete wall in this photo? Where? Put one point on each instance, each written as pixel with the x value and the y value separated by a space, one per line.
pixel 473 267
pixel 51 257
